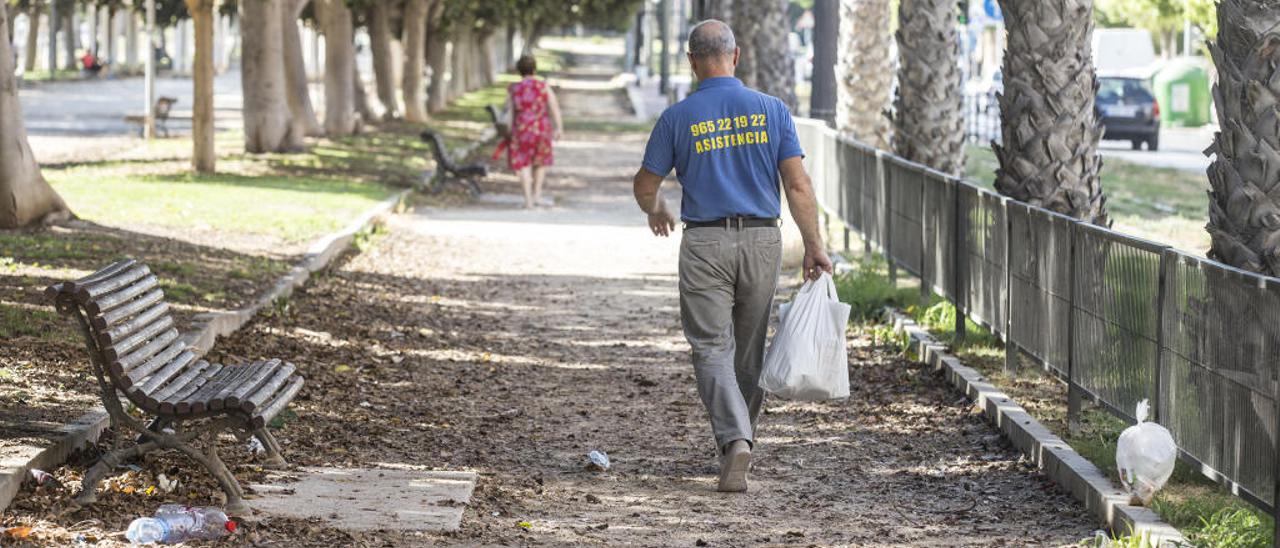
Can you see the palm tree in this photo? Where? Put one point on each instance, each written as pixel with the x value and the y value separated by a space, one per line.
pixel 1244 211
pixel 775 66
pixel 1050 130
pixel 929 122
pixel 864 71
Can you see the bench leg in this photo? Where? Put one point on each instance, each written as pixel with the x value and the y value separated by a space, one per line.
pixel 236 505
pixel 274 458
pixel 106 463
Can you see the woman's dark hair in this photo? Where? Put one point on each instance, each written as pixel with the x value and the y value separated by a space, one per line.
pixel 526 65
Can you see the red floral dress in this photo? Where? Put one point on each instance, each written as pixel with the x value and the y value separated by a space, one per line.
pixel 531 136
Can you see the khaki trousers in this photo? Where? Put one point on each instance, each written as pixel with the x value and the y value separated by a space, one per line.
pixel 727 281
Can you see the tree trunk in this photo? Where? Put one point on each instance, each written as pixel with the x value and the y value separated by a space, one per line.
pixel 719 9
pixel 458 65
pixel 384 71
pixel 25 197
pixel 1244 200
pixel 864 75
pixel 69 39
pixel 929 121
pixel 266 109
pixel 438 60
pixel 484 59
pixel 113 23
pixel 301 113
pixel 746 23
pixel 415 49
pixel 33 39
pixel 1049 157
pixel 131 39
pixel 339 68
pixel 775 66
pixel 364 107
pixel 204 157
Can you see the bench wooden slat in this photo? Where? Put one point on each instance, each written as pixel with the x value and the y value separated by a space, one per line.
pixel 267 389
pixel 264 372
pixel 278 403
pixel 206 398
pixel 117 315
pixel 219 400
pixel 114 351
pixel 110 270
pixel 130 327
pixel 179 401
pixel 134 376
pixel 90 292
pixel 98 305
pixel 189 374
pixel 170 370
pixel 144 354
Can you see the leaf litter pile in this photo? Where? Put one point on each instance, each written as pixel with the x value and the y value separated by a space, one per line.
pixel 456 345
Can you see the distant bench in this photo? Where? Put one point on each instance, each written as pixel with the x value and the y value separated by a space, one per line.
pixel 160 111
pixel 135 350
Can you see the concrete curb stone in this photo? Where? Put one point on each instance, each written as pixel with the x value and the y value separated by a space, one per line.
pixel 1051 454
pixel 86 429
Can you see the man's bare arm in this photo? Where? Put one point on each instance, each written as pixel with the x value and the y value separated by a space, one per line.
pixel 645 186
pixel 804 211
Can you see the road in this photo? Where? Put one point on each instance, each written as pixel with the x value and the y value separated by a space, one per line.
pixel 1180 148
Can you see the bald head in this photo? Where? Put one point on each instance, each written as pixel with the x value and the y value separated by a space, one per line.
pixel 712 49
pixel 711 38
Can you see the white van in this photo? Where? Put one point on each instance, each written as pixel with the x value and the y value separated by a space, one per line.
pixel 1120 50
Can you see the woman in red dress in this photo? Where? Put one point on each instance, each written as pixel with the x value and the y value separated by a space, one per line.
pixel 534 118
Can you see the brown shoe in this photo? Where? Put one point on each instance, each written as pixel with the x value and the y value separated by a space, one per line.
pixel 733 467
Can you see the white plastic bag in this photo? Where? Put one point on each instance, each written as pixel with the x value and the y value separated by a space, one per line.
pixel 1145 456
pixel 807 359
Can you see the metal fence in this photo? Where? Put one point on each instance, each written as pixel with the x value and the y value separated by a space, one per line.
pixel 1120 319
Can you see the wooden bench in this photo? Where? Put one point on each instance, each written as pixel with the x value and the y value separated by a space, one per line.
pixel 161 113
pixel 136 351
pixel 447 171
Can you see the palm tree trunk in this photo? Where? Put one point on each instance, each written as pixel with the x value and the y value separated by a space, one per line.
pixel 929 122
pixel 775 66
pixel 1244 200
pixel 25 197
pixel 746 23
pixel 204 157
pixel 1049 157
pixel 864 74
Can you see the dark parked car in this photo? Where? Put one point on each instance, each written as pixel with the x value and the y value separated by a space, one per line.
pixel 1129 111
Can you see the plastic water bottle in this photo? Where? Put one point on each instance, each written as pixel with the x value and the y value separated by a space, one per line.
pixel 175 523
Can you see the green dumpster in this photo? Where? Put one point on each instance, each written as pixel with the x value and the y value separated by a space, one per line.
pixel 1182 88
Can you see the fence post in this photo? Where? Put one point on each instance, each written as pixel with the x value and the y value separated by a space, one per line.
pixel 1161 294
pixel 959 253
pixel 846 239
pixel 1074 402
pixel 882 179
pixel 1010 347
pixel 926 289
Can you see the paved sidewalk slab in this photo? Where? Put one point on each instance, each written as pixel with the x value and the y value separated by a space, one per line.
pixel 370 499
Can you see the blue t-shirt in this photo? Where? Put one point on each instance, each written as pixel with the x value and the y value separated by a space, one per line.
pixel 725 141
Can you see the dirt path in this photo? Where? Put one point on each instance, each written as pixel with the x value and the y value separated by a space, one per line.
pixel 511 342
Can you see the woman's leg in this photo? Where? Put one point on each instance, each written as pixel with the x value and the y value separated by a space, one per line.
pixel 539 176
pixel 526 182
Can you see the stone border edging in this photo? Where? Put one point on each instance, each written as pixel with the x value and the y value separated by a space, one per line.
pixel 87 428
pixel 1050 453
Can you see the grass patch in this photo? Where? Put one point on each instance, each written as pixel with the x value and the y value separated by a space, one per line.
pixel 16 321
pixel 290 208
pixel 867 290
pixel 45 75
pixel 1160 204
pixel 607 126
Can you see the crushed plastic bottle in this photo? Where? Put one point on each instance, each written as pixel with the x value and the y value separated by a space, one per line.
pixel 174 523
pixel 599 460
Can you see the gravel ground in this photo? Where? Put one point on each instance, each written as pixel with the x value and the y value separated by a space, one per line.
pixel 511 342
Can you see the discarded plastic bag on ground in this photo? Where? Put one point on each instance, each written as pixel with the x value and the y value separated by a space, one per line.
pixel 598 460
pixel 1145 456
pixel 807 359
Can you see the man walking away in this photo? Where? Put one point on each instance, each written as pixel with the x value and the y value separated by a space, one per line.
pixel 728 144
